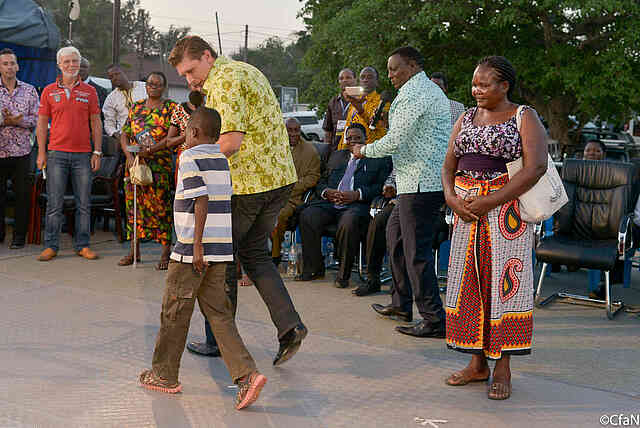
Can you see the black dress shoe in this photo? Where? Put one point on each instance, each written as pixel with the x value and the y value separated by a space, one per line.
pixel 17 242
pixel 370 287
pixel 203 348
pixel 341 283
pixel 305 276
pixel 392 312
pixel 422 329
pixel 290 343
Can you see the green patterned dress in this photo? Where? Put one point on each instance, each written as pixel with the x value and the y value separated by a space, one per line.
pixel 155 212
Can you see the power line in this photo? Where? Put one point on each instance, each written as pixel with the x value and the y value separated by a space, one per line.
pixel 182 20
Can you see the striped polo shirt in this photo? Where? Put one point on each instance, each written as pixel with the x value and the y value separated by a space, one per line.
pixel 203 171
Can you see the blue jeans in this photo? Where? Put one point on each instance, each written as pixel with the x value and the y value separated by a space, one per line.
pixel 59 166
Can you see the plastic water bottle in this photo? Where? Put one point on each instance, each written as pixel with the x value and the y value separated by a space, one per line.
pixel 328 258
pixel 298 250
pixel 286 245
pixel 292 265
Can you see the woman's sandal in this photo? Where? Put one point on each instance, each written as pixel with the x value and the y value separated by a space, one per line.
pixel 245 281
pixel 128 260
pixel 499 391
pixel 163 265
pixel 459 379
pixel 149 380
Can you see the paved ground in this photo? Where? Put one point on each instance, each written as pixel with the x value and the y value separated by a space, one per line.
pixel 75 334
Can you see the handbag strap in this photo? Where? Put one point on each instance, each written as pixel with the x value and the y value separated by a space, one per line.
pixel 519 116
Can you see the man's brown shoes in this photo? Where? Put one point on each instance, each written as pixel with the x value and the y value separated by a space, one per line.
pixel 87 254
pixel 47 255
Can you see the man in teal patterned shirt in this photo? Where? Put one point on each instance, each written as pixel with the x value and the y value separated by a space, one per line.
pixel 419 128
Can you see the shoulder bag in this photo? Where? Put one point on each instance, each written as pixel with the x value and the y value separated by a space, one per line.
pixel 547 196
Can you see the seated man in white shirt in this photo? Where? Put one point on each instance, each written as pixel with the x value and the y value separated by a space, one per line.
pixel 119 101
pixel 346 192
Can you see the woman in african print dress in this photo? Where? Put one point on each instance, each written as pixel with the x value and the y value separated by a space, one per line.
pixel 489 300
pixel 150 118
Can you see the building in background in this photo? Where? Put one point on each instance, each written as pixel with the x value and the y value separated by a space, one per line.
pixel 137 69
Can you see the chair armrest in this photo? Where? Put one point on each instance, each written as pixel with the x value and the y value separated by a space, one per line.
pixel 379 202
pixel 538 233
pixel 625 234
pixel 306 197
pixel 448 216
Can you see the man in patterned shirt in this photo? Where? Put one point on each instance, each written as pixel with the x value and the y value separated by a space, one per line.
pixel 361 110
pixel 255 141
pixel 420 124
pixel 19 108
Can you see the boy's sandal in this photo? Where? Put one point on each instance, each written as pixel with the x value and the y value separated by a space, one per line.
pixel 249 389
pixel 155 383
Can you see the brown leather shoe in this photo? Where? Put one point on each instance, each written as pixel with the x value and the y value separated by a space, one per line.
pixel 47 255
pixel 87 254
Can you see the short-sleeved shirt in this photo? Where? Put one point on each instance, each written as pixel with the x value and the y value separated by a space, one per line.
pixel 203 171
pixel 370 105
pixel 69 111
pixel 244 98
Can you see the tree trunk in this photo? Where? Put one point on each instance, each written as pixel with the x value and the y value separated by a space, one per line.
pixel 555 113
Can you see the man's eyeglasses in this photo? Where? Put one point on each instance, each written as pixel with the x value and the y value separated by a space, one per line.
pixel 353 140
pixel 154 86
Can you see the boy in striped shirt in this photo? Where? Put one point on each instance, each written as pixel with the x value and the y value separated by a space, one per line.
pixel 202 216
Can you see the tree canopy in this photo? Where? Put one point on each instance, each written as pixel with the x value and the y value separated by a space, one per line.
pixel 92 32
pixel 572 57
pixel 280 62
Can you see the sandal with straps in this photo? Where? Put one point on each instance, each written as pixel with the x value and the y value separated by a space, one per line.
pixel 128 260
pixel 460 379
pixel 163 264
pixel 499 391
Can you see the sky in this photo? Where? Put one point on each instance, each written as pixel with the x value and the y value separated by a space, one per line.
pixel 265 18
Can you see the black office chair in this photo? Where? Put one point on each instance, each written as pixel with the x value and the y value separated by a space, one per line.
pixel 594 228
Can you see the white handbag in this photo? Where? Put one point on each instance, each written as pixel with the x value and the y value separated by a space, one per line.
pixel 546 197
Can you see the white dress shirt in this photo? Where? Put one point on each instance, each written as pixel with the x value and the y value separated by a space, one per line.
pixel 115 107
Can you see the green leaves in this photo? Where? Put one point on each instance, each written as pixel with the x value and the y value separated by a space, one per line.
pixel 573 57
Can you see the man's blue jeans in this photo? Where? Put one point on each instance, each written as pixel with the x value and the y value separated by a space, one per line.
pixel 59 166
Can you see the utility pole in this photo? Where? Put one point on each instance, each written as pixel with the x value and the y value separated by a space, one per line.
pixel 115 44
pixel 246 43
pixel 219 40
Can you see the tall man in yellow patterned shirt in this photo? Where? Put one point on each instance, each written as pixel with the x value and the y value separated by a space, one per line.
pixel 255 141
pixel 362 109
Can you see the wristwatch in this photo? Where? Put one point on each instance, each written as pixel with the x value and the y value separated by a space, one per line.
pixel 95 152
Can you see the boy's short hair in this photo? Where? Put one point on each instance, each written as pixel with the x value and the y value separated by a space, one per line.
pixel 208 120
